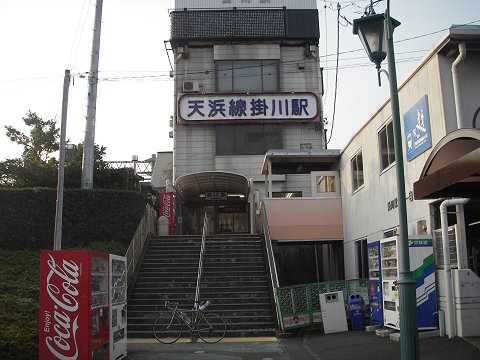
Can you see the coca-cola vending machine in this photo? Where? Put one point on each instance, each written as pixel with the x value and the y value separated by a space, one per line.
pixel 167 212
pixel 73 314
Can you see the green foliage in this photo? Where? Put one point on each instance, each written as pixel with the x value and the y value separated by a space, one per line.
pixel 42 141
pixel 37 167
pixel 28 217
pixel 19 295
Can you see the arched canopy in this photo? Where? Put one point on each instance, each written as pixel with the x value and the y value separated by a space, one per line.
pixel 453 167
pixel 211 181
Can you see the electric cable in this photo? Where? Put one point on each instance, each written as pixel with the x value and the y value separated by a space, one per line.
pixel 336 74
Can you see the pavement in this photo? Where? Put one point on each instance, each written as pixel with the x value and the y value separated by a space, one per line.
pixel 355 345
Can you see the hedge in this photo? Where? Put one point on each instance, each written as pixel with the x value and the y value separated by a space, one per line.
pixel 27 217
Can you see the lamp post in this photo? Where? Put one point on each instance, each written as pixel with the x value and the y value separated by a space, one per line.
pixel 376 33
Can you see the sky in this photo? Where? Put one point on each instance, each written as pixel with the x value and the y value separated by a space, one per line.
pixel 40 39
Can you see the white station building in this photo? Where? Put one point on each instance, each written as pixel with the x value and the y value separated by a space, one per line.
pixel 249 148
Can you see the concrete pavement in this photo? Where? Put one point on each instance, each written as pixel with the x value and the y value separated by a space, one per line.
pixel 355 345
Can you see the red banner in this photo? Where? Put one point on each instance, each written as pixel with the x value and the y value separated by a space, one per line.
pixel 167 210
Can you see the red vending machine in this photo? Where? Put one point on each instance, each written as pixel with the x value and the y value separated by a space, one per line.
pixel 73 314
pixel 167 211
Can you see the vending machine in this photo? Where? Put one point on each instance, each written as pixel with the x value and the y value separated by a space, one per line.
pixel 73 312
pixel 118 307
pixel 375 284
pixel 423 271
pixel 166 214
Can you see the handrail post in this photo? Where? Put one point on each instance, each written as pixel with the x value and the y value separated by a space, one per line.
pixel 200 262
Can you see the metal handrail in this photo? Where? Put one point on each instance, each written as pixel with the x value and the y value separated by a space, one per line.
pixel 268 243
pixel 135 249
pixel 200 262
pixel 270 257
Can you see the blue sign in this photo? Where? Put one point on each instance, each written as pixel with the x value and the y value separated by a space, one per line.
pixel 417 129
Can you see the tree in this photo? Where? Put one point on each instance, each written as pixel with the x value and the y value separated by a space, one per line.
pixel 36 167
pixel 39 168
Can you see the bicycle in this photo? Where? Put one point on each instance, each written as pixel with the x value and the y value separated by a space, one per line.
pixel 168 326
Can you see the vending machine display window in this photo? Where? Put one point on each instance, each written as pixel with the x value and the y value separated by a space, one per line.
pixel 118 307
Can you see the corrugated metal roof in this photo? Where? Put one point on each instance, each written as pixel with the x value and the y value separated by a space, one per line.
pixel 202 182
pixel 218 4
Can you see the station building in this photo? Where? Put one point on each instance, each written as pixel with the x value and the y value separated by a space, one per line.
pixel 249 147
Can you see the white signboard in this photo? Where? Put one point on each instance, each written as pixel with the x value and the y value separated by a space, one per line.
pixel 248 108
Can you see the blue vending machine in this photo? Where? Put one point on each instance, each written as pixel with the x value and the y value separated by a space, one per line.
pixel 423 271
pixel 375 284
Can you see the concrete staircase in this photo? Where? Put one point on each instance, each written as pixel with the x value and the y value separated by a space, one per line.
pixel 234 280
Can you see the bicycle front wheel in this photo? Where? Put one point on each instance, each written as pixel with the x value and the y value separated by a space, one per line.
pixel 167 328
pixel 211 328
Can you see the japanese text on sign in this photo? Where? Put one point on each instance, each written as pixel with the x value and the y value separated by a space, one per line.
pixel 221 107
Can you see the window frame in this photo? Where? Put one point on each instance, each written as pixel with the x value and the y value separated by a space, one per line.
pixel 355 172
pixel 313 178
pixel 386 133
pixel 234 145
pixel 361 256
pixel 262 63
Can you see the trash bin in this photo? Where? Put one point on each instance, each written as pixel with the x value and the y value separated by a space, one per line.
pixel 356 310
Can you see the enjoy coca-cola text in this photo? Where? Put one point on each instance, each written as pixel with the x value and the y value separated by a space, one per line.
pixel 62 282
pixel 166 201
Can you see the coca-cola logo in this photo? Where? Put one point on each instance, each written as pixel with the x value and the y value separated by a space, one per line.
pixel 62 283
pixel 166 201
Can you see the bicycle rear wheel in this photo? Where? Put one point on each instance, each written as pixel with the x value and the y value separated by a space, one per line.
pixel 211 328
pixel 167 328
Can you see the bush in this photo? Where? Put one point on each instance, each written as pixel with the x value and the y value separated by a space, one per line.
pixel 19 299
pixel 102 220
pixel 19 295
pixel 28 217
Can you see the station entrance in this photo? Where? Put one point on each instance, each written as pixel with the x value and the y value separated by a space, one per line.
pixel 223 196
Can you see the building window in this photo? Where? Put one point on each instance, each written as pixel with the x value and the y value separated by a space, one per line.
pixel 247 139
pixel 287 194
pixel 361 251
pixel 247 76
pixel 325 184
pixel 357 171
pixel 387 145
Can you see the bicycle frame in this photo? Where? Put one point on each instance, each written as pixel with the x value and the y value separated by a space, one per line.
pixel 209 327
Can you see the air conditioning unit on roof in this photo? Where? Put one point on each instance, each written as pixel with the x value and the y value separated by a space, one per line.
pixel 191 86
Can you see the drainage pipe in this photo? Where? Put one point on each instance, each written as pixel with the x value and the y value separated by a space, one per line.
pixel 462 48
pixel 450 315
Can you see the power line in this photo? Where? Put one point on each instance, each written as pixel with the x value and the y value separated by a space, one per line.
pixel 336 74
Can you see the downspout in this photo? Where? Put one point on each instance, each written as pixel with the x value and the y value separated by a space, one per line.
pixel 446 259
pixel 462 48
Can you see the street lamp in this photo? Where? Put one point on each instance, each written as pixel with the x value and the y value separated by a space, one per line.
pixel 376 33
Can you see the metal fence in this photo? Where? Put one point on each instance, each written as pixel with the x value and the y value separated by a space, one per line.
pixel 299 305
pixel 135 250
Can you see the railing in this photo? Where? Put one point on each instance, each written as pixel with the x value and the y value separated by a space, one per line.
pixel 299 305
pixel 136 247
pixel 200 262
pixel 270 257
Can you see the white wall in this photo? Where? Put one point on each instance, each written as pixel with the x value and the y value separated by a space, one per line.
pixel 366 214
pixel 194 145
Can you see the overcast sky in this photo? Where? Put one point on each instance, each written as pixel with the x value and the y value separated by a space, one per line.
pixel 40 39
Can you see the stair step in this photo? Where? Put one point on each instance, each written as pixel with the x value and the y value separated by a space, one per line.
pixel 234 280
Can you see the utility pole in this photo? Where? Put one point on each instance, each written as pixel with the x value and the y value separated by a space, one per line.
pixel 89 142
pixel 57 242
